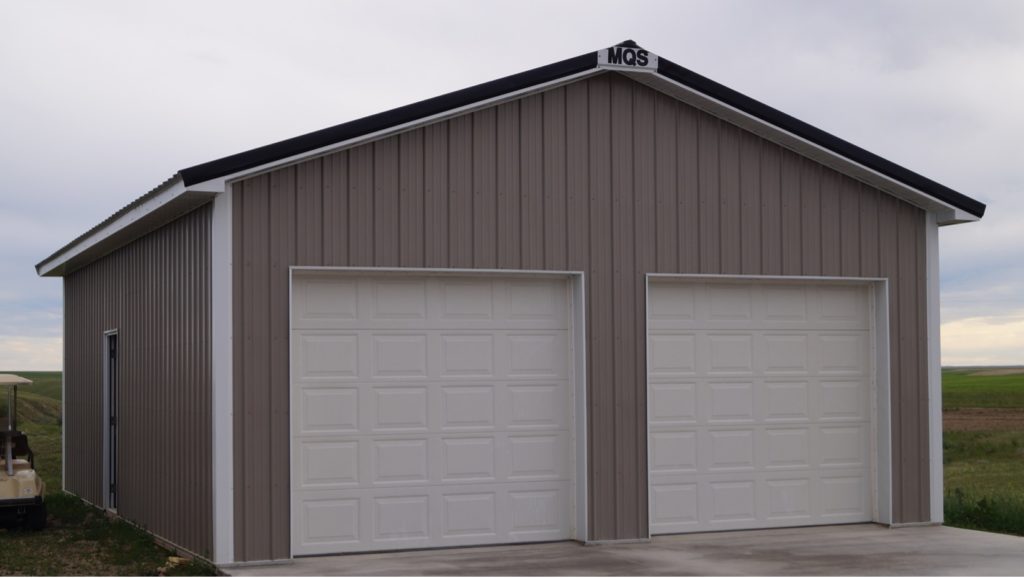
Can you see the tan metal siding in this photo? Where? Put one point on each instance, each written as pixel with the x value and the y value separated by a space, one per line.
pixel 156 293
pixel 605 176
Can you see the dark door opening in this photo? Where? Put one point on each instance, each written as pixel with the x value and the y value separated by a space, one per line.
pixel 111 367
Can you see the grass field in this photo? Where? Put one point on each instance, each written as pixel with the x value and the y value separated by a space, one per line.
pixel 983 452
pixel 982 387
pixel 79 539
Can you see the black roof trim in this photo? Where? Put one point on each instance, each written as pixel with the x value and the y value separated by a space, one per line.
pixel 552 72
pixel 384 120
pixel 817 136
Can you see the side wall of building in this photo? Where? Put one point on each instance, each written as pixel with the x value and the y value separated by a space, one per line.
pixel 156 293
pixel 604 176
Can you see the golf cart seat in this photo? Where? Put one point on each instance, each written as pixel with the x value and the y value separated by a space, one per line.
pixel 21 447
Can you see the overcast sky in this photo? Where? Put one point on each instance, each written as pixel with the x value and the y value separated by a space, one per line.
pixel 102 101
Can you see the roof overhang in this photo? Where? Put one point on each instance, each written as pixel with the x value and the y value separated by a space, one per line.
pixel 157 208
pixel 197 185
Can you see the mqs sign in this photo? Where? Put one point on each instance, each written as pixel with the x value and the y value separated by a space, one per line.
pixel 627 57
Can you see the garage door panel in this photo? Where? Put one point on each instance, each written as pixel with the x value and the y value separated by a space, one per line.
pixel 673 403
pixel 537 300
pixel 398 408
pixel 728 402
pixel 729 502
pixel 672 355
pixel 786 401
pixel 767 422
pixel 327 357
pixel 843 400
pixel 788 500
pixel 843 306
pixel 329 410
pixel 537 405
pixel 726 449
pixel 328 464
pixel 470 515
pixel 325 302
pixel 785 448
pixel 467 407
pixel 448 423
pixel 467 355
pixel 466 299
pixel 844 497
pixel 843 353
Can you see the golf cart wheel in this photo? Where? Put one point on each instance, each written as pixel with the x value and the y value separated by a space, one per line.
pixel 36 517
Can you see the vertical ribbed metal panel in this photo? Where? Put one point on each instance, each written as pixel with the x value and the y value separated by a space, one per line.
pixel 156 293
pixel 605 176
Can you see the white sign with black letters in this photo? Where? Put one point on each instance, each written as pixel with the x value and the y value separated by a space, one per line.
pixel 627 57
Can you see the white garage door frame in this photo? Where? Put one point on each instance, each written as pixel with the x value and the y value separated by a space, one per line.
pixel 578 364
pixel 881 437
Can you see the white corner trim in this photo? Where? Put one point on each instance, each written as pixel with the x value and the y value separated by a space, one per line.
pixel 935 473
pixel 578 291
pixel 882 402
pixel 222 414
pixel 64 386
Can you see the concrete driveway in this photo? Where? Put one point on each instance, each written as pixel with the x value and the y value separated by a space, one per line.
pixel 861 549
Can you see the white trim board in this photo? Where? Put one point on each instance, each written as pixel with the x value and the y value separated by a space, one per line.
pixel 222 408
pixel 935 473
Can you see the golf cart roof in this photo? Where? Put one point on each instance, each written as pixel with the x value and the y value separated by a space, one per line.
pixel 11 379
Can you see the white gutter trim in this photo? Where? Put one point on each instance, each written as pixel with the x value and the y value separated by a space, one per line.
pixel 948 214
pixel 935 470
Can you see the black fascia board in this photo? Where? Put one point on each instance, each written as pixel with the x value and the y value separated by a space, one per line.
pixel 817 136
pixel 384 120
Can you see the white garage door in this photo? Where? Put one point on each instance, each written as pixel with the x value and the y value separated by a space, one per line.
pixel 429 411
pixel 759 405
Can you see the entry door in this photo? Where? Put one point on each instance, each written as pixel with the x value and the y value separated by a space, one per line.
pixel 110 361
pixel 429 411
pixel 759 405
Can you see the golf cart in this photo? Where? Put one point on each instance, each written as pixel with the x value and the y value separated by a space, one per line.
pixel 21 489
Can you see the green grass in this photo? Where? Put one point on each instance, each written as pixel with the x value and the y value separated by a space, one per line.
pixel 79 539
pixel 960 388
pixel 985 463
pixel 984 470
pixel 1003 514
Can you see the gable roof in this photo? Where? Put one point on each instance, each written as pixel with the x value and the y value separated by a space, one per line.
pixel 185 190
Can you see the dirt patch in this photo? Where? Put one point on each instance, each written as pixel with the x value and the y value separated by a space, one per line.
pixel 983 418
pixel 998 371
